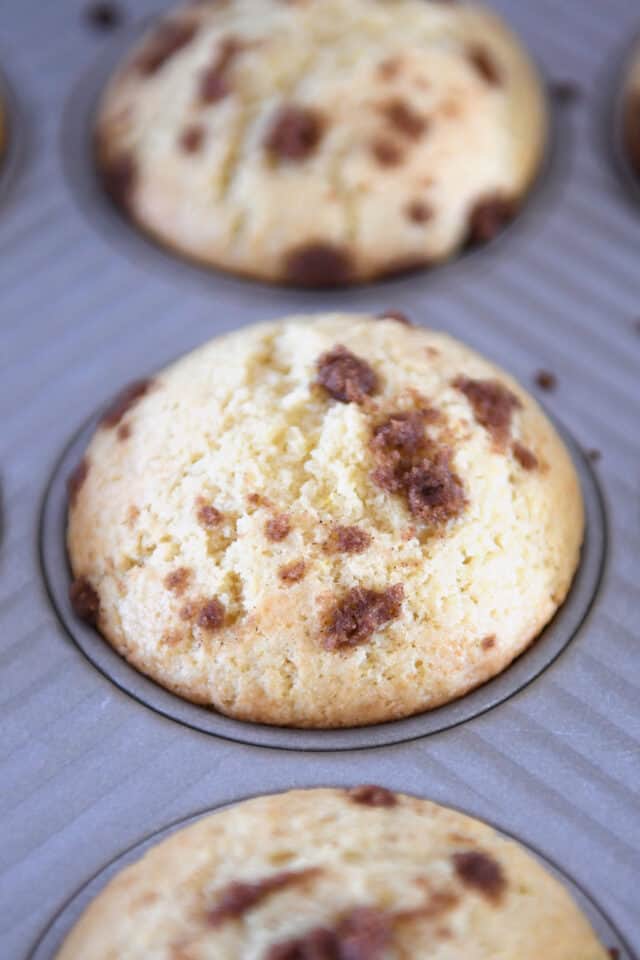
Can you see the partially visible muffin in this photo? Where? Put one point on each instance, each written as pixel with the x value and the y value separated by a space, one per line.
pixel 360 874
pixel 631 114
pixel 3 130
pixel 322 142
pixel 324 523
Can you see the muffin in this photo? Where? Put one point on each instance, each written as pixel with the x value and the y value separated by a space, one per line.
pixel 631 115
pixel 322 142
pixel 324 522
pixel 3 131
pixel 360 874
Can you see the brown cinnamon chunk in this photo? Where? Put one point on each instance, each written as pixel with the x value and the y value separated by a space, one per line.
pixel 480 872
pixel 317 944
pixel 192 138
pixel 238 898
pixel 118 173
pixel 418 211
pixel 207 514
pixel 485 65
pixel 292 572
pixel 525 457
pixel 295 132
pixel 493 405
pixel 404 119
pixel 124 401
pixel 390 68
pixel 363 933
pixel 360 613
pixel 489 217
pixel 409 463
pixel 278 527
pixel 345 377
pixel 434 492
pixel 177 580
pixel 215 82
pixel 344 539
pixel 189 610
pixel 318 265
pixel 211 614
pixel 76 479
pixel 371 795
pixel 401 435
pixel 396 315
pixel 84 600
pixel 386 152
pixel 169 37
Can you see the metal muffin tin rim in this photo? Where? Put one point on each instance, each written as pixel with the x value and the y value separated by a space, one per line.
pixel 51 938
pixel 123 233
pixel 554 639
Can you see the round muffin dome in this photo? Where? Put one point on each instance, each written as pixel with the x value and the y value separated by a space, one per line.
pixel 360 874
pixel 322 142
pixel 324 523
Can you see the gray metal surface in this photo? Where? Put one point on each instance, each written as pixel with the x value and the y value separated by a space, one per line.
pixel 85 770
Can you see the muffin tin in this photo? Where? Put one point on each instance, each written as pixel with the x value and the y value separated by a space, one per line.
pixel 88 304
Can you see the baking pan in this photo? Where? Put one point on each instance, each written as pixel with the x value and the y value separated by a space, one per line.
pixel 88 304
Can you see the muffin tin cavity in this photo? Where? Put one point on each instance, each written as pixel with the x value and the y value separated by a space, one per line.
pixel 61 925
pixel 541 654
pixel 78 156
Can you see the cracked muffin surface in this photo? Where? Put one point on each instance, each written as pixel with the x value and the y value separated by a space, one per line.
pixel 323 522
pixel 334 874
pixel 322 142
